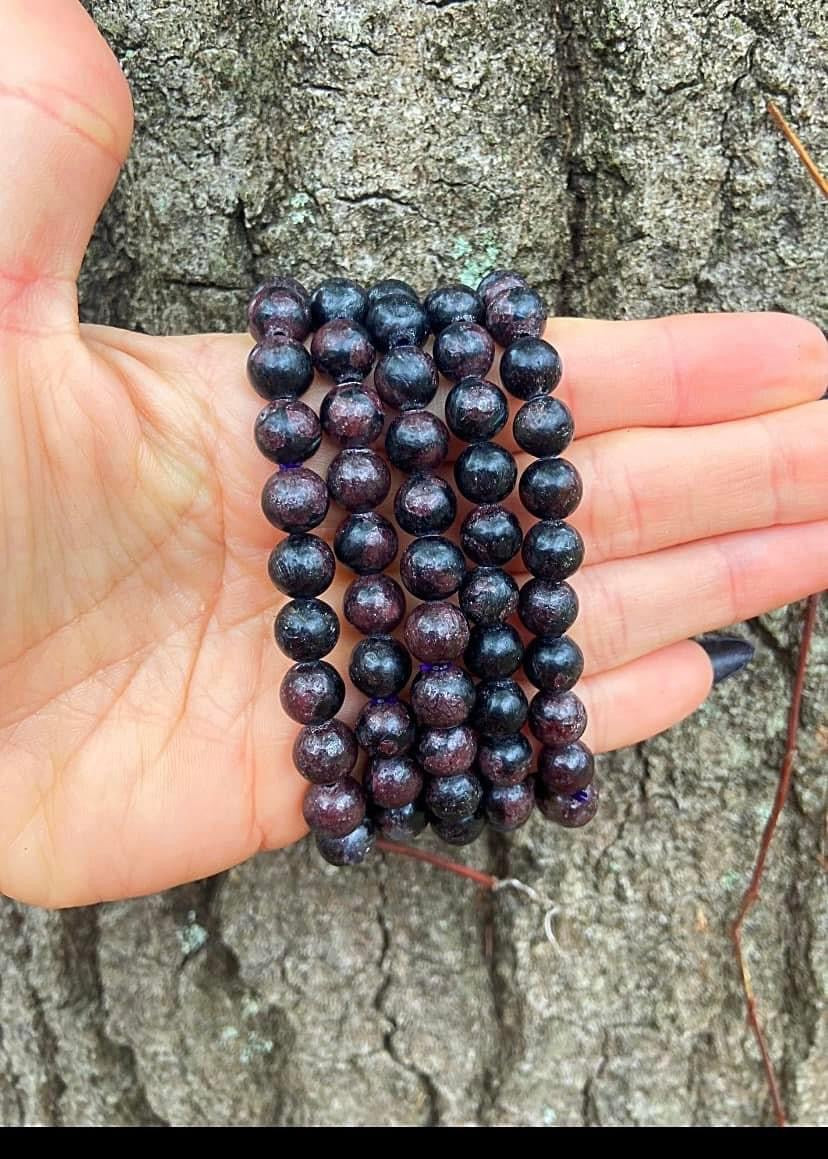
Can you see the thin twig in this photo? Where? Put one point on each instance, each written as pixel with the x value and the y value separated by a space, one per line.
pixel 487 880
pixel 803 154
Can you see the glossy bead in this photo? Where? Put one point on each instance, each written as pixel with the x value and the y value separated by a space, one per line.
pixel 352 849
pixel 397 320
pixel 505 760
pixel 334 809
pixel 385 728
pixel 342 350
pixel 497 282
pixel 460 830
pixel 547 608
pixel 405 823
pixel 488 595
pixel 491 535
pixel 338 298
pixel 279 367
pixel 324 753
pixel 365 543
pixel 374 604
pixel 494 652
pixel 543 426
pixel 554 663
pixel 530 366
pixel 302 565
pixel 552 550
pixel 279 307
pixel 432 568
pixel 379 666
pixel 453 303
pixel 295 500
pixel 306 629
pixel 388 287
pixel 570 810
pixel 352 415
pixel 425 504
pixel 450 798
pixel 476 409
pixel 406 378
pixel 485 473
pixel 464 349
pixel 550 488
pixel 567 769
pixel 417 441
pixel 557 718
pixel 442 697
pixel 445 752
pixel 358 479
pixel 312 692
pixel 393 781
pixel 516 313
pixel 500 708
pixel 507 807
pixel 287 431
pixel 436 632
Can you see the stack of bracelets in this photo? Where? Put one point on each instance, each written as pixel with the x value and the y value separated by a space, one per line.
pixel 455 756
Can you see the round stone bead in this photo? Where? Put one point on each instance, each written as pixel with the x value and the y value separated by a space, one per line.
pixel 504 760
pixel 454 303
pixel 388 287
pixel 352 849
pixel 552 550
pixel 385 728
pixel 507 807
pixel 442 697
pixel 306 629
pixel 543 426
pixel 405 823
pixel 397 320
pixel 485 473
pixel 334 809
pixel 393 781
pixel 464 349
pixel 278 308
pixel 406 378
pixel 491 535
pixel 494 652
pixel 417 441
pixel 312 692
pixel 287 431
pixel 352 415
pixel 476 409
pixel 557 718
pixel 570 810
pixel 567 769
pixel 550 488
pixel 460 831
pixel 338 298
pixel 488 595
pixel 497 282
pixel 530 366
pixel 374 604
pixel 324 753
pixel 380 666
pixel 342 350
pixel 446 752
pixel 432 568
pixel 500 708
pixel 546 608
pixel 425 504
pixel 436 632
pixel 358 479
pixel 365 543
pixel 516 313
pixel 450 798
pixel 302 565
pixel 554 663
pixel 279 367
pixel 295 500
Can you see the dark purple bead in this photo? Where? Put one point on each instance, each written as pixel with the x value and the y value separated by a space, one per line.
pixel 450 798
pixel 405 823
pixel 570 810
pixel 546 608
pixel 491 535
pixel 365 543
pixel 554 663
pixel 505 760
pixel 500 708
pixel 550 488
pixel 334 809
pixel 279 306
pixel 406 378
pixel 374 604
pixel 543 426
pixel 442 697
pixel 567 769
pixel 476 409
pixel 552 550
pixel 425 505
pixel 380 666
pixel 397 320
pixel 385 728
pixel 279 367
pixel 312 692
pixel 453 303
pixel 432 568
pixel 494 651
pixel 436 632
pixel 417 441
pixel 302 565
pixel 460 831
pixel 388 287
pixel 342 350
pixel 352 415
pixel 530 366
pixel 557 718
pixel 338 298
pixel 514 314
pixel 507 807
pixel 445 752
pixel 488 595
pixel 287 431
pixel 485 473
pixel 324 753
pixel 306 629
pixel 352 849
pixel 464 349
pixel 295 500
pixel 497 282
pixel 393 781
pixel 358 479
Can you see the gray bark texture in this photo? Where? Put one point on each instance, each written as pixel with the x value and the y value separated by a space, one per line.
pixel 620 154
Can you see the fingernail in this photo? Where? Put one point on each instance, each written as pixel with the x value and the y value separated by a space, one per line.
pixel 728 654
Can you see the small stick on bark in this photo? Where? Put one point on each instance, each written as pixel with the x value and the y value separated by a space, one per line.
pixel 487 880
pixel 803 154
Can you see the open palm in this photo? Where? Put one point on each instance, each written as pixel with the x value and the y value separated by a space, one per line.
pixel 141 739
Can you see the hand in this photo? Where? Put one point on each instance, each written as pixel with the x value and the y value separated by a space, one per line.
pixel 141 739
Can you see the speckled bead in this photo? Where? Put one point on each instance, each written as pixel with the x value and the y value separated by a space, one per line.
pixel 497 282
pixel 566 769
pixel 324 753
pixel 352 849
pixel 530 366
pixel 460 830
pixel 488 595
pixel 543 426
pixel 476 409
pixel 552 550
pixel 450 798
pixel 417 441
pixel 490 535
pixel 403 823
pixel 505 760
pixel 334 809
pixel 295 500
pixel 393 781
pixel 342 350
pixel 312 692
pixel 406 378
pixel 385 728
pixel 516 313
pixel 365 543
pixel 379 666
pixel 443 696
pixel 338 298
pixel 432 568
pixel 279 306
pixel 550 488
pixel 396 320
pixel 554 663
pixel 453 303
pixel 547 608
pixel 287 431
pixel 425 504
pixel 500 708
pixel 302 565
pixel 358 479
pixel 436 632
pixel 464 349
pixel 374 604
pixel 557 718
pixel 306 629
pixel 279 367
pixel 445 752
pixel 569 810
pixel 507 807
pixel 352 415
